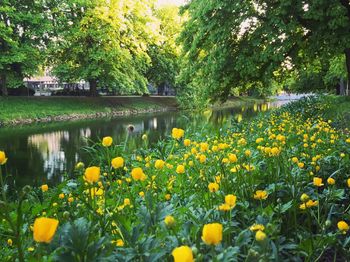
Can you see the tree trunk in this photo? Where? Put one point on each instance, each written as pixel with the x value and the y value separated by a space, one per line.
pixel 347 59
pixel 342 87
pixel 3 85
pixel 93 87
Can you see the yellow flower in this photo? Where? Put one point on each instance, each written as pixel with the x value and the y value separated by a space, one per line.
pixel 187 142
pixel 348 182
pixel 230 200
pixel 232 158
pixel 343 226
pixel 120 243
pixel 212 234
pixel 302 206
pixel 117 162
pixel 92 174
pixel 193 150
pixel 213 187
pixel 182 254
pixel 3 158
pixel 126 202
pixel 137 174
pixel 275 151
pixel 257 227
pixel 177 133
pixel 224 207
pixel 94 191
pixel 311 203
pixel 204 147
pixel 70 199
pixel 202 158
pixel 169 221
pixel 259 140
pixel 9 242
pixel 317 181
pixel 167 197
pixel 159 164
pixel 180 169
pixel 260 195
pixel 44 229
pixel 301 165
pixel 331 181
pixel 141 194
pixel 304 197
pixel 248 153
pixel 107 141
pixel 44 188
pixel 61 196
pixel 79 165
pixel 260 236
pixel 144 137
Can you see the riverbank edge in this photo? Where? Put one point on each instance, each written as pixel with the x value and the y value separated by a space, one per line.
pixel 164 104
pixel 78 116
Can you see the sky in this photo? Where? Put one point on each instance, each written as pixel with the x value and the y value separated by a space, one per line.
pixel 172 2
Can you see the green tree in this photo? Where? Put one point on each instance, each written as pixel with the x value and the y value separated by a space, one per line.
pixel 165 53
pixel 24 35
pixel 244 44
pixel 105 43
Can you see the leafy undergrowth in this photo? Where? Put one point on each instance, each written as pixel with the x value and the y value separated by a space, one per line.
pixel 272 188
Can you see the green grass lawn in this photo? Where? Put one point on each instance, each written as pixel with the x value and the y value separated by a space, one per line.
pixel 14 108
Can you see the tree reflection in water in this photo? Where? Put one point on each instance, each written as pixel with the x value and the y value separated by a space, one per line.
pixel 42 153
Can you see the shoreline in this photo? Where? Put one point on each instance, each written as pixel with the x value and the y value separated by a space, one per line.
pixel 77 116
pixel 34 110
pixel 25 111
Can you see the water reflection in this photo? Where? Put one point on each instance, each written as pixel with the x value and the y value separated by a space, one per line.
pixel 42 153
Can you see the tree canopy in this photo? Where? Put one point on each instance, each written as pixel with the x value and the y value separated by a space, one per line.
pixel 248 44
pixel 208 51
pixel 24 31
pixel 106 44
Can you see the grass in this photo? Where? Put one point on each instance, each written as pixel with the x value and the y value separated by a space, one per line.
pixel 13 109
pixel 339 110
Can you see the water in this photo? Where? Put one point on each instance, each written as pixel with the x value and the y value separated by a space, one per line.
pixel 42 153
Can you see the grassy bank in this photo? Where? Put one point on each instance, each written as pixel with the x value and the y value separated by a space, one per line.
pixel 275 187
pixel 26 110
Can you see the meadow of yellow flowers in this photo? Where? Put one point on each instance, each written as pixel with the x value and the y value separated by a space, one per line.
pixel 275 187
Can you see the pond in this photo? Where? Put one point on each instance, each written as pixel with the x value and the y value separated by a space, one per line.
pixel 42 153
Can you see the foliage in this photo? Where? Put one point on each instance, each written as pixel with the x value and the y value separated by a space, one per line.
pixel 278 185
pixel 24 27
pixel 248 45
pixel 165 55
pixel 106 44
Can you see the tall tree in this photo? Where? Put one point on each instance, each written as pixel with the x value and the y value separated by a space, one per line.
pixel 24 31
pixel 165 53
pixel 105 43
pixel 232 43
